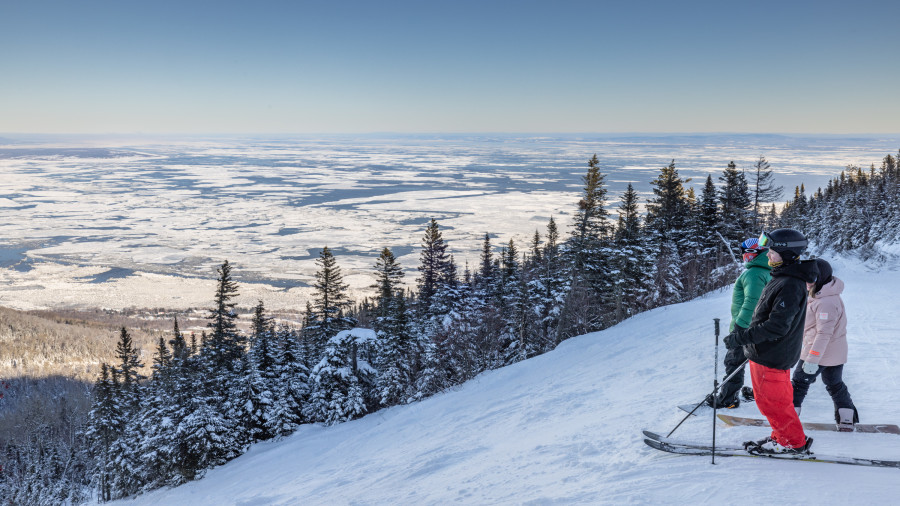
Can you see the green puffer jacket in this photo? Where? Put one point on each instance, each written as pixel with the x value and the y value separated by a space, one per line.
pixel 747 288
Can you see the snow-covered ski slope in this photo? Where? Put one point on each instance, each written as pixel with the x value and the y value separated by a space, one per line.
pixel 565 428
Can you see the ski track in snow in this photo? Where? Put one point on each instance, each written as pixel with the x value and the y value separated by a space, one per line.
pixel 565 428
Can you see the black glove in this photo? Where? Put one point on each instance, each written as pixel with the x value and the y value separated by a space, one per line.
pixel 731 341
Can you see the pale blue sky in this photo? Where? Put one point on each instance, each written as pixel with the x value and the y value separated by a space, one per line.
pixel 452 66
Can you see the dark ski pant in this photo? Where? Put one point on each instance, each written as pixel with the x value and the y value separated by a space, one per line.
pixel 773 393
pixel 834 384
pixel 728 394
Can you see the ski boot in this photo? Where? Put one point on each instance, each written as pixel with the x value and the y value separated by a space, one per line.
pixel 769 446
pixel 846 419
pixel 749 445
pixel 747 394
pixel 723 404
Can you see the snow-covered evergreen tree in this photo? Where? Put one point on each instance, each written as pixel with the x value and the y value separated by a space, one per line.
pixel 340 380
pixel 736 204
pixel 591 290
pixel 394 333
pixel 667 226
pixel 290 389
pixel 225 345
pixel 103 430
pixel 434 267
pixel 329 305
pixel 629 258
pixel 125 450
pixel 762 190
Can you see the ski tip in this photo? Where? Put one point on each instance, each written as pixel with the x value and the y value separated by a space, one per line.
pixel 728 419
pixel 651 435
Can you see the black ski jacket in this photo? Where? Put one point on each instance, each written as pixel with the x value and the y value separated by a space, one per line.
pixel 775 335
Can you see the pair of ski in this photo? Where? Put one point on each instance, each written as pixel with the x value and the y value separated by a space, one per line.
pixel 665 444
pixel 870 428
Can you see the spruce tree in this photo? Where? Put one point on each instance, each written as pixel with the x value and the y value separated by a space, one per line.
pixel 103 429
pixel 591 292
pixel 666 222
pixel 292 387
pixel 736 205
pixel 591 226
pixel 339 381
pixel 225 345
pixel 434 265
pixel 389 275
pixel 486 264
pixel 261 342
pixel 667 210
pixel 393 333
pixel 329 304
pixel 126 469
pixel 629 257
pixel 763 190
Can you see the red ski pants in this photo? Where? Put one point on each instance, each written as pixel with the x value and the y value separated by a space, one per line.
pixel 775 399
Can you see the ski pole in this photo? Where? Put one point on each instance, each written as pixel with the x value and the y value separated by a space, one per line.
pixel 714 392
pixel 715 388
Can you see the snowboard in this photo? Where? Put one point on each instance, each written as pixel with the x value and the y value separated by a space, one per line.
pixel 860 427
pixel 669 445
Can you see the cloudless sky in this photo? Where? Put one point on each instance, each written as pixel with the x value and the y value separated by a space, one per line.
pixel 449 66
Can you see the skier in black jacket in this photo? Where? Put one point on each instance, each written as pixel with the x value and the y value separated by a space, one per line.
pixel 774 339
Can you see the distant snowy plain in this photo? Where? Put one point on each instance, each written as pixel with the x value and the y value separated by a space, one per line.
pixel 119 223
pixel 565 428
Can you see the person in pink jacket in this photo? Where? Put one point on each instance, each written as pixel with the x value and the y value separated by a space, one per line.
pixel 825 346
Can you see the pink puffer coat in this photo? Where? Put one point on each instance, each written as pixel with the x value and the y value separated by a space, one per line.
pixel 825 333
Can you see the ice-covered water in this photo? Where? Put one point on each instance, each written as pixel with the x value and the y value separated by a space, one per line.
pixel 123 222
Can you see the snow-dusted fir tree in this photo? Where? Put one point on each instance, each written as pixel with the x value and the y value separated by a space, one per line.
pixel 206 436
pixel 707 221
pixel 329 305
pixel 591 229
pixel 225 344
pixel 289 388
pixel 512 299
pixel 590 293
pixel 125 451
pixel 262 345
pixel 393 332
pixel 266 368
pixel 249 405
pixel 155 423
pixel 550 286
pixel 103 429
pixel 339 382
pixel 629 258
pixel 666 223
pixel 762 189
pixel 484 276
pixel 736 205
pixel 434 267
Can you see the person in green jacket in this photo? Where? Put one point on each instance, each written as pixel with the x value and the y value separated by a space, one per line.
pixel 747 289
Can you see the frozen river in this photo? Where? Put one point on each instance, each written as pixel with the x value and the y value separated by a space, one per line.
pixel 121 222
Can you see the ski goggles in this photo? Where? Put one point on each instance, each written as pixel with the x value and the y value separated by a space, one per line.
pixel 750 253
pixel 767 242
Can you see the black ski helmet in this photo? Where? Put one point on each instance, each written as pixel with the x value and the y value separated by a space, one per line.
pixel 787 242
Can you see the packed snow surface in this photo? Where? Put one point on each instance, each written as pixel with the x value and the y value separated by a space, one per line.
pixel 565 428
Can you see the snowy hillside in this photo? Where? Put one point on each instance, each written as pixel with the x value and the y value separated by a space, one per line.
pixel 565 427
